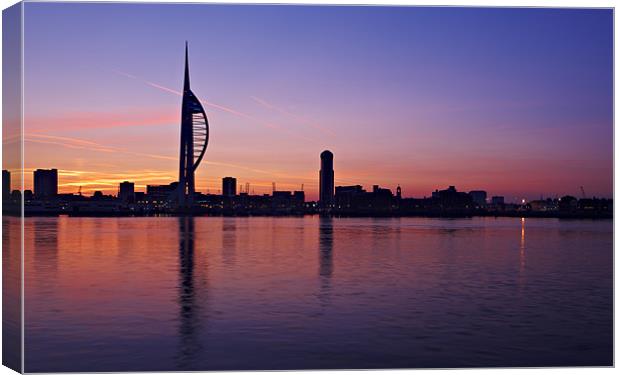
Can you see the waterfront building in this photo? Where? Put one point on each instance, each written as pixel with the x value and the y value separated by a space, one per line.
pixel 229 186
pixel 28 196
pixel 451 198
pixel 346 195
pixel 161 193
pixel 299 197
pixel 479 197
pixel 45 183
pixel 326 180
pixel 126 192
pixel 6 185
pixel 497 200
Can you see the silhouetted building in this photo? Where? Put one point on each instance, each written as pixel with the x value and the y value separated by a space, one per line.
pixel 354 199
pixel 479 197
pixel 126 192
pixel 229 186
pixel 161 193
pixel 355 189
pixel 6 185
pixel 347 196
pixel 140 197
pixel 399 193
pixel 595 205
pixel 28 196
pixel 326 180
pixel 497 200
pixel 281 199
pixel 543 205
pixel 568 204
pixel 381 199
pixel 299 197
pixel 451 198
pixel 280 202
pixel 45 183
pixel 16 196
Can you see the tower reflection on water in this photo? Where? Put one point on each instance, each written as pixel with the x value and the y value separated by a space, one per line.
pixel 326 263
pixel 189 309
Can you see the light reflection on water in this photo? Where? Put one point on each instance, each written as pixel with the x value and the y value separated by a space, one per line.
pixel 209 293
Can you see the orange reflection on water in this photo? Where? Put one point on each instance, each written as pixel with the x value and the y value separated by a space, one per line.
pixel 522 247
pixel 224 292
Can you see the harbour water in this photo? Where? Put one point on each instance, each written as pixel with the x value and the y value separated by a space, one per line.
pixel 220 293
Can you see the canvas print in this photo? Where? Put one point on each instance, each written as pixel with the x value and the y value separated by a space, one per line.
pixel 281 187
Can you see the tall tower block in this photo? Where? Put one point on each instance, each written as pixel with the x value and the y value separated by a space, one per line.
pixel 194 140
pixel 326 180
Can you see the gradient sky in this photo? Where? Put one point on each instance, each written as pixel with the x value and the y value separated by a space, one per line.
pixel 514 101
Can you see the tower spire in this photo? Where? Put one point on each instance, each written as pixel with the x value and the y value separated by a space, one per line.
pixel 186 81
pixel 194 140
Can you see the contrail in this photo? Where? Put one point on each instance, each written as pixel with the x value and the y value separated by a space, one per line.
pixel 298 118
pixel 205 102
pixel 269 125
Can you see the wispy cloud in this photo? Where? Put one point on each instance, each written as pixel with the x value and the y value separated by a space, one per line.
pixel 77 143
pixel 100 120
pixel 85 177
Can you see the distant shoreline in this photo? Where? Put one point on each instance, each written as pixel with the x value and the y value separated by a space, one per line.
pixel 439 215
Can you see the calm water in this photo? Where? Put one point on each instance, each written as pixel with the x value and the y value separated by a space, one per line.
pixel 109 294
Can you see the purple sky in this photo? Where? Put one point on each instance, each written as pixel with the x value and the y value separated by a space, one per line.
pixel 518 102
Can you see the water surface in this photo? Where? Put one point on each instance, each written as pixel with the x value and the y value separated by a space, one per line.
pixel 216 293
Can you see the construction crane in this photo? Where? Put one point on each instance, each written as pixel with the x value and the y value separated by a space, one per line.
pixel 273 186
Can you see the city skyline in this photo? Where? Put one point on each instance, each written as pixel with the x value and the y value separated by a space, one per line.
pixel 432 107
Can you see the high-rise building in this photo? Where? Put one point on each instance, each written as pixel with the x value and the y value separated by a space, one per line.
pixel 497 200
pixel 6 185
pixel 299 196
pixel 126 192
pixel 479 197
pixel 45 183
pixel 326 180
pixel 194 140
pixel 229 186
pixel 161 193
